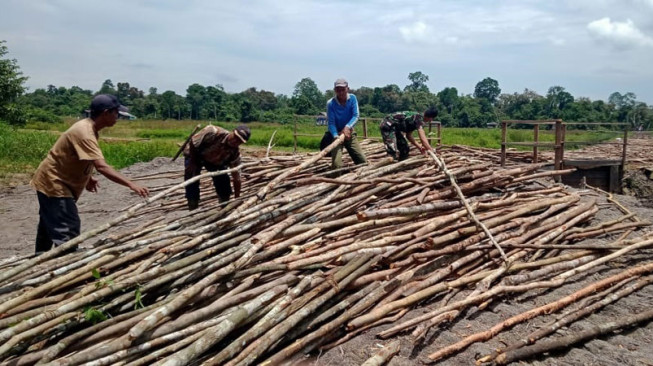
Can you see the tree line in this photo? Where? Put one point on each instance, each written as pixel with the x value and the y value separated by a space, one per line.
pixel 486 105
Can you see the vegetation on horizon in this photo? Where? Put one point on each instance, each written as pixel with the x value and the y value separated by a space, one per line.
pixel 167 118
pixel 487 104
pixel 22 149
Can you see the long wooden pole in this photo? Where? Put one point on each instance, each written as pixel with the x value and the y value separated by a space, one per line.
pixel 504 127
pixel 536 138
pixel 183 146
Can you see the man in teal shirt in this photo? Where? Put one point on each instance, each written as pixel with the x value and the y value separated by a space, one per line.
pixel 342 115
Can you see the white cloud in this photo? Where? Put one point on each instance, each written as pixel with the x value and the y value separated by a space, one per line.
pixel 271 45
pixel 420 32
pixel 619 34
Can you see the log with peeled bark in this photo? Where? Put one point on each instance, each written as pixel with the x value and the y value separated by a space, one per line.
pixel 384 355
pixel 548 308
pixel 610 297
pixel 594 331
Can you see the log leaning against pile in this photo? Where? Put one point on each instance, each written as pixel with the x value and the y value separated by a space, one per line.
pixel 305 260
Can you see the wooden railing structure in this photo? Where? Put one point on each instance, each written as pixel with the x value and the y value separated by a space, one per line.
pixel 557 145
pixel 367 120
pixel 560 130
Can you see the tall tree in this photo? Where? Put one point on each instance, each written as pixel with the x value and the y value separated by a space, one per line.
pixel 122 92
pixel 11 87
pixel 107 87
pixel 363 94
pixel 308 89
pixel 388 99
pixel 419 101
pixel 215 98
pixel 417 82
pixel 449 98
pixel 263 100
pixel 248 111
pixel 487 88
pixel 196 96
pixel 557 100
pixel 167 104
pixel 151 103
pixel 623 100
pixel 527 105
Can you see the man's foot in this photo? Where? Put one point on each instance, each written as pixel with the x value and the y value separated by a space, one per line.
pixel 75 249
pixel 193 204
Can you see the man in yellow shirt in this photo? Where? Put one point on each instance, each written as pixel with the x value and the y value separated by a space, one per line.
pixel 67 170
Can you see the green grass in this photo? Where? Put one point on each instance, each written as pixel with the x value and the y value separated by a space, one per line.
pixel 124 154
pixel 491 138
pixel 21 150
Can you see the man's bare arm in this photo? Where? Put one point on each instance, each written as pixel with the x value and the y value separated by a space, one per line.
pixel 113 175
pixel 410 137
pixel 423 139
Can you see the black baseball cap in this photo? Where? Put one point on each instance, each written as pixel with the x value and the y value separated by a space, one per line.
pixel 243 132
pixel 106 101
pixel 431 112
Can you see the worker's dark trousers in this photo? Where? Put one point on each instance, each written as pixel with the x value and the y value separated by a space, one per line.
pixel 58 222
pixel 221 183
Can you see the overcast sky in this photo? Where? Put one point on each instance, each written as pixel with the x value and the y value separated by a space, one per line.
pixel 590 47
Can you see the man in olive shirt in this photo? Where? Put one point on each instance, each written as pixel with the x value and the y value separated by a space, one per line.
pixel 214 148
pixel 67 170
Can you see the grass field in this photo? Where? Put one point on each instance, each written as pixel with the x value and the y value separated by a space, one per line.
pixel 128 142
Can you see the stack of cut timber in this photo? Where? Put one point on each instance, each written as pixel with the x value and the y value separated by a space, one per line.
pixel 638 152
pixel 306 259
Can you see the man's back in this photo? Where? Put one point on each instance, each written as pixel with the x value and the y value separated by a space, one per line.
pixel 212 146
pixel 406 121
pixel 69 164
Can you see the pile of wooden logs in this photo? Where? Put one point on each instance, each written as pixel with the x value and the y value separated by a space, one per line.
pixel 637 152
pixel 308 258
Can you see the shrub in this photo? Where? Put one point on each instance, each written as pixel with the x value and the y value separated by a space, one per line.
pixel 41 115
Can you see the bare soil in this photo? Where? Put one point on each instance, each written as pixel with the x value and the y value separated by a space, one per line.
pixel 19 218
pixel 19 208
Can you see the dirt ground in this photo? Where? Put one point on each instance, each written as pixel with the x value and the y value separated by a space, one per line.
pixel 19 207
pixel 19 217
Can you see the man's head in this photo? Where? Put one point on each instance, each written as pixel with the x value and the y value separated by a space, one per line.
pixel 239 135
pixel 341 87
pixel 104 109
pixel 430 113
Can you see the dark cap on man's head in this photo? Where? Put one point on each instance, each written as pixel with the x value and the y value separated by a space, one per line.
pixel 103 102
pixel 243 133
pixel 431 112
